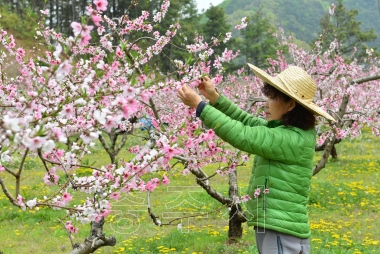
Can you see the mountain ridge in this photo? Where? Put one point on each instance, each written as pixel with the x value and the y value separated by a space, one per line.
pixel 301 17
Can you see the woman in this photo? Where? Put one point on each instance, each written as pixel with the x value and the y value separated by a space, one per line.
pixel 284 147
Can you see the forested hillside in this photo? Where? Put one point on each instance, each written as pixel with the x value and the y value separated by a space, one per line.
pixel 301 17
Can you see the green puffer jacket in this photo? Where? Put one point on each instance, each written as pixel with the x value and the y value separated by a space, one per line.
pixel 283 164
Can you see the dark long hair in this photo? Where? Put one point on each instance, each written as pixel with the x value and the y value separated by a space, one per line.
pixel 298 117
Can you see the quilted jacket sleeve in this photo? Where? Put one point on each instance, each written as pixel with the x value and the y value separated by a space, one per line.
pixel 280 143
pixel 229 108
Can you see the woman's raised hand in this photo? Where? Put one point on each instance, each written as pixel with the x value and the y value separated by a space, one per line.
pixel 188 96
pixel 206 87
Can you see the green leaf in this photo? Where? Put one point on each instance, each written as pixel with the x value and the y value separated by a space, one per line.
pixel 42 63
pixel 189 60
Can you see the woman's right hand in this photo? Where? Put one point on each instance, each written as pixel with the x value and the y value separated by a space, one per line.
pixel 206 87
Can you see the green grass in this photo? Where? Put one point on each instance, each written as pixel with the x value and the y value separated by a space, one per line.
pixel 344 211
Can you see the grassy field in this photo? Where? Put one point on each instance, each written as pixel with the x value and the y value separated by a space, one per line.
pixel 344 212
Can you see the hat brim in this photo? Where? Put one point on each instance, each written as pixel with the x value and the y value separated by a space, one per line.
pixel 276 83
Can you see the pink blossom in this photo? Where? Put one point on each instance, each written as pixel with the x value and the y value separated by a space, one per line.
pixel 217 79
pixel 11 123
pixel 266 191
pixel 231 167
pixel 257 192
pixel 34 143
pixel 20 202
pixel 115 195
pixel 31 203
pixel 129 186
pixel 134 149
pixel 146 95
pixel 70 227
pixel 59 135
pixel 85 40
pixel 332 9
pixel 212 145
pixel 210 134
pixel 21 51
pixel 63 70
pixel 31 64
pixel 45 12
pixel 142 78
pixel 130 106
pixel 110 123
pixel 2 168
pixel 127 112
pixel 96 19
pixel 77 28
pixel 58 51
pixel 169 151
pixel 165 180
pixel 48 146
pixel 59 153
pixel 100 30
pixel 90 10
pixel 67 112
pixel 86 30
pixel 245 198
pixel 66 197
pixel 119 53
pixel 101 5
pixel 129 91
pixel 104 213
pixel 88 137
pixel 51 178
pixel 203 137
pixel 243 24
pixel 152 184
pixel 245 157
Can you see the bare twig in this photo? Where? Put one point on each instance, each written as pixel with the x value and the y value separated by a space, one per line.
pixel 8 194
pixel 9 171
pixel 68 234
pixel 205 184
pixel 18 174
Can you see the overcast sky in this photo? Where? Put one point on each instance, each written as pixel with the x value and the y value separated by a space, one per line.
pixel 205 4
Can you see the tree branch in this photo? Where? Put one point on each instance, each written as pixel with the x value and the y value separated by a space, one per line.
pixel 74 165
pixel 322 162
pixel 122 143
pixel 366 79
pixel 18 174
pixel 252 101
pixel 10 171
pixel 104 143
pixel 7 193
pixel 201 176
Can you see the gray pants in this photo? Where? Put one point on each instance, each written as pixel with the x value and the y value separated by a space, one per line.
pixel 273 242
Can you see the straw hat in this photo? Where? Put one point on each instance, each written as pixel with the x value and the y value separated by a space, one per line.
pixel 297 84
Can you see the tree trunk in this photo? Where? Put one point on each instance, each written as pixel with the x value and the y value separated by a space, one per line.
pixel 235 228
pixel 96 240
pixel 334 153
pixel 236 219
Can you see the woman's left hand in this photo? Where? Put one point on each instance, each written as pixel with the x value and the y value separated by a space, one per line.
pixel 188 96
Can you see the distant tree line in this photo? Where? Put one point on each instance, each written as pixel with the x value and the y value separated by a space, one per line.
pixel 256 43
pixel 63 12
